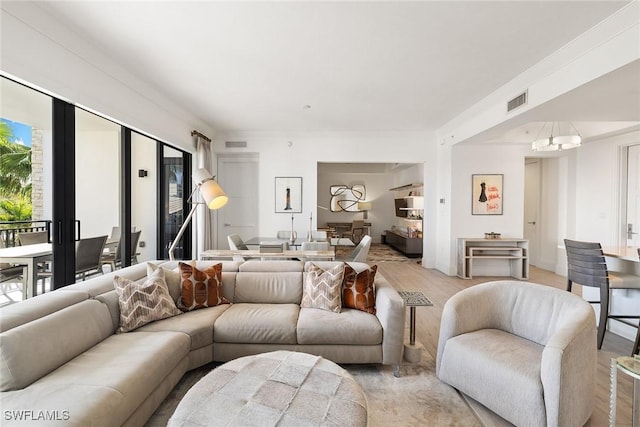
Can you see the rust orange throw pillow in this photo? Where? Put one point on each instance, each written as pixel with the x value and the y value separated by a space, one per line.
pixel 200 289
pixel 358 290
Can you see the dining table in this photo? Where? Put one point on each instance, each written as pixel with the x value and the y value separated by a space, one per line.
pixel 29 256
pixel 256 253
pixel 624 259
pixel 334 241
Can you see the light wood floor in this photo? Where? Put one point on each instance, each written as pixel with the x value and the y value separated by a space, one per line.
pixel 439 287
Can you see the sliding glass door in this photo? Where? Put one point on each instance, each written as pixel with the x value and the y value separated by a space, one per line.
pixel 97 189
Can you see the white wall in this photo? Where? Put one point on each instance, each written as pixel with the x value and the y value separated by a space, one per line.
pixel 97 181
pixel 144 198
pixel 382 214
pixel 484 159
pixel 301 157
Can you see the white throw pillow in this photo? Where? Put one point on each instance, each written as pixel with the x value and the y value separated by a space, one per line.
pixel 145 302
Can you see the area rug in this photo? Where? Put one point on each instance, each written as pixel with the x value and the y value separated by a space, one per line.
pixel 377 253
pixel 416 398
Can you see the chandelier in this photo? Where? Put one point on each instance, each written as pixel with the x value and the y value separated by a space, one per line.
pixel 560 137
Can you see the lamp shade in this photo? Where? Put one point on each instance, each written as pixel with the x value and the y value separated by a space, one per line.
pixel 364 206
pixel 211 192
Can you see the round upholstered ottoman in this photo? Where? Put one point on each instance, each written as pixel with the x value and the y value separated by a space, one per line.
pixel 279 388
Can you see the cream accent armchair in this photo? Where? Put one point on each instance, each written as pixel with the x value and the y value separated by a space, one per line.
pixel 523 350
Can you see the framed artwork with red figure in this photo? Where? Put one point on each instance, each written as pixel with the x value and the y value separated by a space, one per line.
pixel 487 197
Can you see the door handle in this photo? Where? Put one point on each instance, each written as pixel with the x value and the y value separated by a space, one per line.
pixel 531 222
pixel 227 225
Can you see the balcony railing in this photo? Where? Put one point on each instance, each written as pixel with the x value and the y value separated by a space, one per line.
pixel 9 230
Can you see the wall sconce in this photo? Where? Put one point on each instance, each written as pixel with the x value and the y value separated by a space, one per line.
pixel 142 173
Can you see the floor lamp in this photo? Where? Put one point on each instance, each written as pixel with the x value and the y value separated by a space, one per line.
pixel 212 194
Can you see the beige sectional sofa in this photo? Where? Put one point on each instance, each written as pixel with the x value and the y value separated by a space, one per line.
pixel 61 360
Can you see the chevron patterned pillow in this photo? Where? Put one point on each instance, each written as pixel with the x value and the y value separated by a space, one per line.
pixel 200 288
pixel 143 302
pixel 358 291
pixel 323 289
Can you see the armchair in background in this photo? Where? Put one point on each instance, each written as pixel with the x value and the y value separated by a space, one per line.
pixel 525 351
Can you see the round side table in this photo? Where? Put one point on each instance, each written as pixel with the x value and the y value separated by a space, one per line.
pixel 629 366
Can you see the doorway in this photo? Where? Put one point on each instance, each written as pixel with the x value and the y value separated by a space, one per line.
pixel 631 230
pixel 531 222
pixel 238 175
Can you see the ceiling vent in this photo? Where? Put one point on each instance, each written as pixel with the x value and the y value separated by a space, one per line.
pixel 517 101
pixel 235 144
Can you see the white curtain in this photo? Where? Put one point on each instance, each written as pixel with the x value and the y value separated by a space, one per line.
pixel 204 235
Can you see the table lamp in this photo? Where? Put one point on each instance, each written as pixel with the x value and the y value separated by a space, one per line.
pixel 213 197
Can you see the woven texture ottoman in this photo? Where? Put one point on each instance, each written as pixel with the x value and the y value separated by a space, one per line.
pixel 281 388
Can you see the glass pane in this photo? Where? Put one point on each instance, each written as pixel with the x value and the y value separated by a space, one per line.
pixel 173 195
pixel 97 189
pixel 25 181
pixel 144 196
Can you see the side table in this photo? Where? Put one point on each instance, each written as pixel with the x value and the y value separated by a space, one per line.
pixel 413 299
pixel 631 367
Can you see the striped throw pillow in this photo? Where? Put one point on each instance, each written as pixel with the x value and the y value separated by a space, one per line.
pixel 323 289
pixel 143 302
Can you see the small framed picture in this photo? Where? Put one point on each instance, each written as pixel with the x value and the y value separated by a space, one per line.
pixel 288 195
pixel 487 197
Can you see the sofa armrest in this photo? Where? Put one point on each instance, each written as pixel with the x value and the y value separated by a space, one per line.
pixel 391 312
pixel 568 372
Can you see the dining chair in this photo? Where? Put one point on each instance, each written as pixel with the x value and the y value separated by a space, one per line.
pixel 357 231
pixel 587 266
pixel 316 246
pixel 285 234
pixel 32 238
pixel 88 255
pixel 361 251
pixel 9 276
pixel 114 258
pixel 44 268
pixel 237 244
pixel 319 236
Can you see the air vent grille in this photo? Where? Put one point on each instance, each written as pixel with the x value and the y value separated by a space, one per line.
pixel 517 101
pixel 235 144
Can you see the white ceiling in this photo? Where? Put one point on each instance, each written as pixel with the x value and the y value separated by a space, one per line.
pixel 360 66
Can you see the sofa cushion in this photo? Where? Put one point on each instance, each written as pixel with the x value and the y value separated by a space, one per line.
pixel 347 327
pixel 506 373
pixel 358 289
pixel 171 276
pixel 268 287
pixel 198 324
pixel 132 367
pixel 30 351
pixel 200 288
pixel 257 323
pixel 34 308
pixel 142 303
pixel 323 288
pixel 259 266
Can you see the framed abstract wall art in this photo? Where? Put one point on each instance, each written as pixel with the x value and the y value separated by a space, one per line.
pixel 288 195
pixel 487 194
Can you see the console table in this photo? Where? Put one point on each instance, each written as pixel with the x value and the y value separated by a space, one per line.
pixel 498 257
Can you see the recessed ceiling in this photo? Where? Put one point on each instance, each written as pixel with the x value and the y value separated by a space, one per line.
pixel 361 66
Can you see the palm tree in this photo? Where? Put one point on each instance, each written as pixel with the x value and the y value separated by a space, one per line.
pixel 15 166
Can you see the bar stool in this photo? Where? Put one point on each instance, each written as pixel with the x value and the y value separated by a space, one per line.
pixel 587 266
